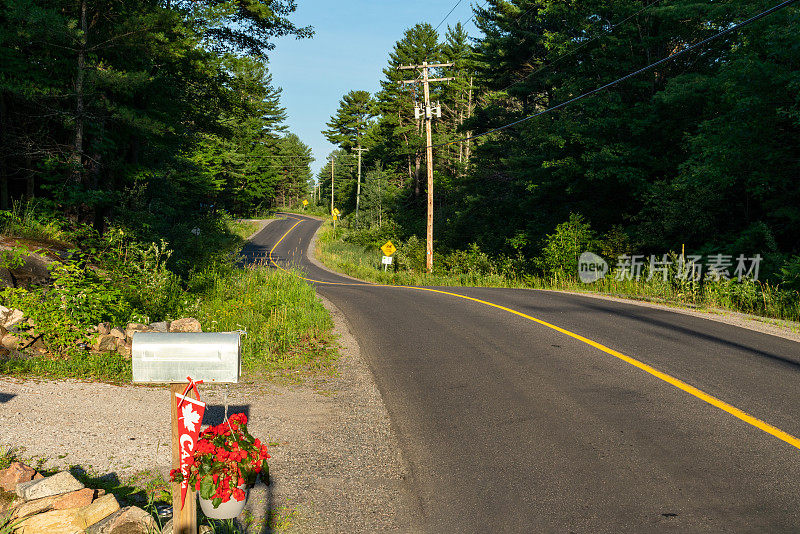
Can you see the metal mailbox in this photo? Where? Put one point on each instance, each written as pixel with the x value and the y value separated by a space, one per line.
pixel 170 358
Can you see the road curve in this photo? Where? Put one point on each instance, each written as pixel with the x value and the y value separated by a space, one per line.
pixel 536 411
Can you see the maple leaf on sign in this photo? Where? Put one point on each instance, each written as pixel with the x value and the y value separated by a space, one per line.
pixel 190 417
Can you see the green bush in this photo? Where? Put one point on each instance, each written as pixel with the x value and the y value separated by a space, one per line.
pixel 76 299
pixel 559 259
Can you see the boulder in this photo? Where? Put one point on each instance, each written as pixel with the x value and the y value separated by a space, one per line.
pixel 128 520
pixel 13 318
pixel 132 328
pixel 187 324
pixel 57 484
pixel 76 499
pixel 105 343
pixel 8 501
pixel 72 520
pixel 14 474
pixel 36 506
pixel 33 271
pixel 10 341
pixel 162 326
pixel 117 333
pixel 124 348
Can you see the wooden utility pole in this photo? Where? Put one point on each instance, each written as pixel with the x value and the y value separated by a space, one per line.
pixel 428 112
pixel 332 161
pixel 358 182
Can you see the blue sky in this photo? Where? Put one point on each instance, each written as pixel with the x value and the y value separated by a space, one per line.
pixel 348 52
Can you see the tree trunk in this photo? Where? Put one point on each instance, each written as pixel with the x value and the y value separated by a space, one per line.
pixel 77 156
pixel 3 173
pixel 30 180
pixel 469 116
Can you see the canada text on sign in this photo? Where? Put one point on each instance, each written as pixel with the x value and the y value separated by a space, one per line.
pixel 389 248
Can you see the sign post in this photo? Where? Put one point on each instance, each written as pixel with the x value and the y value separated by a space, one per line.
pixel 184 514
pixel 335 214
pixel 388 249
pixel 210 357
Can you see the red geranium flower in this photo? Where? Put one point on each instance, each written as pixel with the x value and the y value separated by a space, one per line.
pixel 225 456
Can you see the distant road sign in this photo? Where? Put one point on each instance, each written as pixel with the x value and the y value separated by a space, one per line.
pixel 336 212
pixel 389 248
pixel 386 260
pixel 305 202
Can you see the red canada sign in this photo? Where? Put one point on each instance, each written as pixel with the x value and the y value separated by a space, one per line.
pixel 190 417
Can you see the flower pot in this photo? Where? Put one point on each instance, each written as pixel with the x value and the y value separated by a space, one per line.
pixel 226 510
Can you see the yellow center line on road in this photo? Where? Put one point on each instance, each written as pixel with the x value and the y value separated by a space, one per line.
pixel 680 384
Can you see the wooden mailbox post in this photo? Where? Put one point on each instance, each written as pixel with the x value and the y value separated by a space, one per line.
pixel 158 358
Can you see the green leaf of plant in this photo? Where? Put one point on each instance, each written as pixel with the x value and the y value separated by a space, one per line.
pixel 207 488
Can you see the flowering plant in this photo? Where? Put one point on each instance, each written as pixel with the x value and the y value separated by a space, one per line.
pixel 225 457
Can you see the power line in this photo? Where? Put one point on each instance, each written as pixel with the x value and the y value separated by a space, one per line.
pixel 475 13
pixel 574 50
pixel 448 14
pixel 629 75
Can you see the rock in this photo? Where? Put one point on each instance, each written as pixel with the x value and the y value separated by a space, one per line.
pixel 117 333
pixel 76 499
pixel 12 318
pixel 104 328
pixel 188 324
pixel 57 484
pixel 71 521
pixel 163 326
pixel 128 520
pixel 10 341
pixel 125 348
pixel 14 474
pixel 8 501
pixel 3 312
pixel 105 343
pixel 132 328
pixel 36 506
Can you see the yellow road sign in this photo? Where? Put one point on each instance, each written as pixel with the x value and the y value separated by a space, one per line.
pixel 389 248
pixel 335 216
pixel 305 202
pixel 336 212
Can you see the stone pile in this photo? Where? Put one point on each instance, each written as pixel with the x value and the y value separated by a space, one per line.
pixel 116 339
pixel 18 336
pixel 60 504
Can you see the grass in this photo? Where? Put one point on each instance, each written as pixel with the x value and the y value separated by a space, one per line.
pixel 109 367
pixel 757 298
pixel 26 221
pixel 362 263
pixel 243 229
pixel 286 328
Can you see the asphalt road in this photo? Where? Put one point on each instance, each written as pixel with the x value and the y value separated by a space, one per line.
pixel 510 425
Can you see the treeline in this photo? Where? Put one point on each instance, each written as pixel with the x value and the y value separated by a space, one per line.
pixel 699 153
pixel 152 115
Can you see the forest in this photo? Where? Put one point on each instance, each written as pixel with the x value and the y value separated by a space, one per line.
pixel 700 154
pixel 149 116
